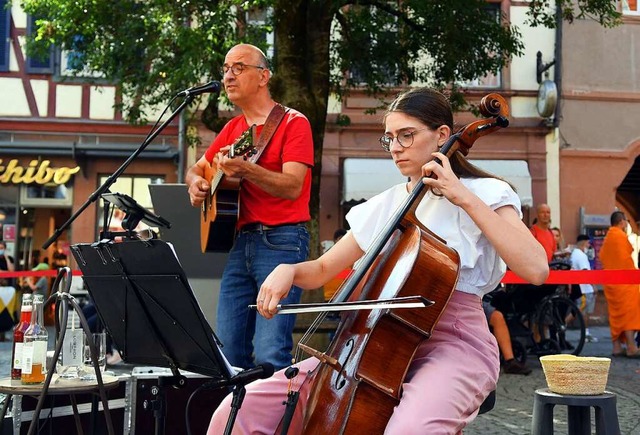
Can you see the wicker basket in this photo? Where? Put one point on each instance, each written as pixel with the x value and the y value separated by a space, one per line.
pixel 570 374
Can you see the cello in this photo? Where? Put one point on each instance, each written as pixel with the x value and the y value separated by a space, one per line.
pixel 359 381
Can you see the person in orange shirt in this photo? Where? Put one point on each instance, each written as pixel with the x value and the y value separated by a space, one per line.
pixel 541 230
pixel 623 300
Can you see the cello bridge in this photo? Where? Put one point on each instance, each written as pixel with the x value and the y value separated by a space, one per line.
pixel 323 357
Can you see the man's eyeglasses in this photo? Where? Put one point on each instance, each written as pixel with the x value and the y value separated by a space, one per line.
pixel 237 68
pixel 405 139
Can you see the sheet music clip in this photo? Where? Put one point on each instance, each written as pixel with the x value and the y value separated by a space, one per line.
pixel 134 214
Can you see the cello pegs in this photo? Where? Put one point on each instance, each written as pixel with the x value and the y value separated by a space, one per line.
pixel 291 372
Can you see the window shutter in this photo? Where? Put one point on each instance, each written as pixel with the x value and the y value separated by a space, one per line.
pixel 37 65
pixel 5 16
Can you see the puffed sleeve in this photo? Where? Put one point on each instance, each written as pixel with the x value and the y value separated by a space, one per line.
pixel 368 219
pixel 497 193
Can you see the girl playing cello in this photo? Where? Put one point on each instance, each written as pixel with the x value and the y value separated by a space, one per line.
pixel 479 216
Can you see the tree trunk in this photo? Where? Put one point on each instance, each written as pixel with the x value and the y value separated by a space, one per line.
pixel 302 32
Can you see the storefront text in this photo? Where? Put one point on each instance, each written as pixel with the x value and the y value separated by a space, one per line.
pixel 38 172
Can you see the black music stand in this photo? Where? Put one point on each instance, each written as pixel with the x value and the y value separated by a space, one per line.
pixel 144 300
pixel 134 214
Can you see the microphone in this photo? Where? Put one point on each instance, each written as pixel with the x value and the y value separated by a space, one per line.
pixel 211 87
pixel 261 371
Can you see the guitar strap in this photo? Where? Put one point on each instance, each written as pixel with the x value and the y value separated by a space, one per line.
pixel 270 126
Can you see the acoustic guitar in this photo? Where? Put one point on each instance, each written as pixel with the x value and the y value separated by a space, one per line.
pixel 220 208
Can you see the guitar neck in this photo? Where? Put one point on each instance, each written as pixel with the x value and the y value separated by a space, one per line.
pixel 216 180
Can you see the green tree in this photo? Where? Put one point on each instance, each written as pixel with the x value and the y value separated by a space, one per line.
pixel 154 48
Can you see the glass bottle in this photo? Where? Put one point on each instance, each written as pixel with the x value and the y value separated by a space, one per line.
pixel 34 347
pixel 72 353
pixel 18 335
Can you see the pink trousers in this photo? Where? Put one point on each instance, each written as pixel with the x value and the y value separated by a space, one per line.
pixel 449 378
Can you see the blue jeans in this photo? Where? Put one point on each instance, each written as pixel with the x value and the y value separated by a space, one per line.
pixel 247 337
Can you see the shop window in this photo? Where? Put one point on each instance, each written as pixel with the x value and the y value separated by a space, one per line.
pixel 490 80
pixel 630 7
pixel 8 217
pixel 258 19
pixel 73 62
pixel 137 187
pixel 8 224
pixel 39 64
pixel 5 17
pixel 46 195
pixel 385 36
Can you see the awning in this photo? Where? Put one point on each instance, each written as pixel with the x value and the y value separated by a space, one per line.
pixel 515 172
pixel 79 150
pixel 364 178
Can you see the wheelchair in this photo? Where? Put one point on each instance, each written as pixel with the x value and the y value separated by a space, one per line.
pixel 542 320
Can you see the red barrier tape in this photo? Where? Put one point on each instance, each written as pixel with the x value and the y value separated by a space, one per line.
pixel 24 273
pixel 582 277
pixel 555 276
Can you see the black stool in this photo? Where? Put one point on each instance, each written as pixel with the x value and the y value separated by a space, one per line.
pixel 578 412
pixel 488 403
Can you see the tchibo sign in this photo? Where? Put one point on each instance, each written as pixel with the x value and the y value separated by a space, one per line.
pixel 38 172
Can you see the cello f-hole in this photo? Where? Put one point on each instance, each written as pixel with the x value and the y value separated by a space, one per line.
pixel 341 376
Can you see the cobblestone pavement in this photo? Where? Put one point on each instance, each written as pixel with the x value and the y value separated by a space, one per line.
pixel 512 414
pixel 514 403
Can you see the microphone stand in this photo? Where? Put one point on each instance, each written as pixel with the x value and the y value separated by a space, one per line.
pixel 189 97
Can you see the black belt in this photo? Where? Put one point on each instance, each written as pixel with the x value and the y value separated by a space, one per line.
pixel 262 227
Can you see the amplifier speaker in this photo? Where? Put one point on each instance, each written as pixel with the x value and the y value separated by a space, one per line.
pixel 145 388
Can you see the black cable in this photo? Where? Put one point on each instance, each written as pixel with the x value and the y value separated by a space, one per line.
pixel 186 409
pixel 48 418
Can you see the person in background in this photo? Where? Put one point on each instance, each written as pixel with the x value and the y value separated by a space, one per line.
pixel 562 252
pixel 9 309
pixel 41 283
pixel 273 210
pixel 42 265
pixel 623 300
pixel 500 330
pixel 557 235
pixel 59 258
pixel 479 216
pixel 541 230
pixel 7 263
pixel 580 261
pixel 38 285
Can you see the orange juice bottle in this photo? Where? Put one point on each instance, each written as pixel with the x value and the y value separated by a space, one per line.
pixel 34 346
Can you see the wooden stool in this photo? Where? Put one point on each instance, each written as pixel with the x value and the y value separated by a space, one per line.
pixel 578 413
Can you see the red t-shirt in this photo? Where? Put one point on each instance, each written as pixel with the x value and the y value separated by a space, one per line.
pixel 546 239
pixel 292 142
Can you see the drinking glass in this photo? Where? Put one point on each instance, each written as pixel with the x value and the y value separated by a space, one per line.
pixel 100 341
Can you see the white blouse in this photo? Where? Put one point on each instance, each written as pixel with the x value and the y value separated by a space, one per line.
pixel 481 269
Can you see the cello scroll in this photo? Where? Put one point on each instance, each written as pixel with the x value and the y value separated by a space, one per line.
pixel 495 108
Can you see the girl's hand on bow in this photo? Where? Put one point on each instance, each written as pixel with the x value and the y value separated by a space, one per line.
pixel 274 289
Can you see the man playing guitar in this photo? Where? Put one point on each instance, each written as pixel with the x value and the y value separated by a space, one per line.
pixel 274 206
